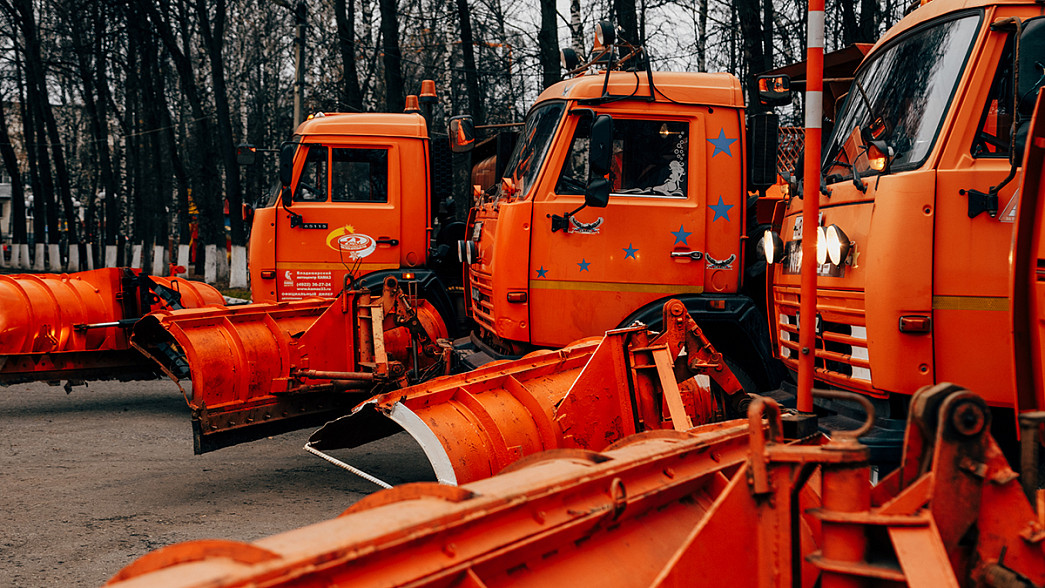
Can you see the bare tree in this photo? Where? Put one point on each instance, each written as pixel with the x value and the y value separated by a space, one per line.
pixel 548 44
pixel 395 96
pixel 345 16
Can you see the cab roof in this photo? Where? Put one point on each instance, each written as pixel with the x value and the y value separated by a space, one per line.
pixel 370 124
pixel 931 9
pixel 710 89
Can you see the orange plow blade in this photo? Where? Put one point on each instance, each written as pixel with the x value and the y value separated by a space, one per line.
pixel 261 369
pixel 617 518
pixel 77 326
pixel 724 504
pixel 586 396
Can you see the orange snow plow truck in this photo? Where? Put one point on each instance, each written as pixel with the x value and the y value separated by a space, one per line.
pixel 736 503
pixel 355 219
pixel 356 208
pixel 726 503
pixel 919 194
pixel 361 215
pixel 626 189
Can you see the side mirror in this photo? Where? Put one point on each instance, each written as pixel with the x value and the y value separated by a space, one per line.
pixel 600 147
pixel 246 154
pixel 462 133
pixel 286 163
pixel 774 90
pixel 597 193
pixel 286 171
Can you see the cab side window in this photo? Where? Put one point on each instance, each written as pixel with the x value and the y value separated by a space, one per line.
pixel 312 184
pixel 992 140
pixel 359 175
pixel 650 158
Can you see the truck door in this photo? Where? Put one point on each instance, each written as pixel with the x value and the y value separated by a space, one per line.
pixel 672 225
pixel 344 219
pixel 974 239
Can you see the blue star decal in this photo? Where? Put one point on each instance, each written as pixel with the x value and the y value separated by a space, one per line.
pixel 721 209
pixel 542 272
pixel 681 235
pixel 721 144
pixel 584 265
pixel 629 251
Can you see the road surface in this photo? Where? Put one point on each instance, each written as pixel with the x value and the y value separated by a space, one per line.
pixel 93 479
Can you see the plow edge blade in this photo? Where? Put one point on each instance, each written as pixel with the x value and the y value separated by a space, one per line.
pixel 585 396
pixel 238 361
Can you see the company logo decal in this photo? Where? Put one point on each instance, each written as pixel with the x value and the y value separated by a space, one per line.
pixel 721 264
pixel 580 228
pixel 357 245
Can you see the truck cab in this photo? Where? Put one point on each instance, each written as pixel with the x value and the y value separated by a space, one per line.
pixel 357 203
pixel 546 270
pixel 918 199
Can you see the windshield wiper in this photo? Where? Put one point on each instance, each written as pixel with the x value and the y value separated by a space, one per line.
pixel 857 180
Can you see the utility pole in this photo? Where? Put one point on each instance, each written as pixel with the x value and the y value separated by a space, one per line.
pixel 811 205
pixel 300 18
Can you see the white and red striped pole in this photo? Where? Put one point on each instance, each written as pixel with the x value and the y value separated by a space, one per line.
pixel 811 204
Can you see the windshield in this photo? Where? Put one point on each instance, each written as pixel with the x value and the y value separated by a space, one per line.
pixel 531 149
pixel 909 86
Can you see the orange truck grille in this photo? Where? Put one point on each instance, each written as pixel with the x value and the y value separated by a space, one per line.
pixel 841 338
pixel 481 303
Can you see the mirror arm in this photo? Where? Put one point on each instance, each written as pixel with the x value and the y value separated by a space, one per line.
pixel 562 223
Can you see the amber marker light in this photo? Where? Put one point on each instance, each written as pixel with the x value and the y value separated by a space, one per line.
pixel 875 158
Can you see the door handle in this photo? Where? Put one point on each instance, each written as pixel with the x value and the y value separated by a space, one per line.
pixel 392 242
pixel 694 255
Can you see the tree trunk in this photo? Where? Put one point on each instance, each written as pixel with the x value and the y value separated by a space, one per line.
pixel 576 30
pixel 747 13
pixel 206 176
pixel 18 230
pixel 471 75
pixel 548 44
pixel 213 38
pixel 345 14
pixel 627 20
pixel 395 97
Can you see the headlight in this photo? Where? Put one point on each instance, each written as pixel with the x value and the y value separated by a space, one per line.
pixel 837 245
pixel 821 246
pixel 772 247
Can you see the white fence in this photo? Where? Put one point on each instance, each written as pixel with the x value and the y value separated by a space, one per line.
pixel 220 267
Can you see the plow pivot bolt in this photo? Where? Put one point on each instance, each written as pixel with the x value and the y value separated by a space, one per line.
pixel 968 419
pixel 539 516
pixel 450 550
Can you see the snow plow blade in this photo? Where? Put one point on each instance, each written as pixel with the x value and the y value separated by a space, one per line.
pixel 77 326
pixel 261 369
pixel 725 504
pixel 585 396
